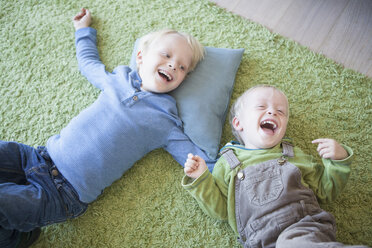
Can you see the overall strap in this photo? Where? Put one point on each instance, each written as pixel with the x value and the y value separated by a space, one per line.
pixel 233 161
pixel 287 149
pixel 231 158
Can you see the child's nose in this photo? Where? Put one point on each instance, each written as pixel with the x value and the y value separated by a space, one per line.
pixel 271 112
pixel 172 66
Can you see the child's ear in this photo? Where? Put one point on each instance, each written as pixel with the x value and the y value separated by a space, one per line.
pixel 139 58
pixel 236 124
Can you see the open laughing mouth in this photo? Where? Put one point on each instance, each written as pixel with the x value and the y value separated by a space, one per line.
pixel 268 126
pixel 164 74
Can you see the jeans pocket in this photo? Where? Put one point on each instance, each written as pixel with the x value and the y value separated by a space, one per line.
pixel 40 171
pixel 73 206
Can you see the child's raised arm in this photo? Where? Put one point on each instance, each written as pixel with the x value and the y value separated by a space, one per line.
pixel 82 19
pixel 329 148
pixel 194 166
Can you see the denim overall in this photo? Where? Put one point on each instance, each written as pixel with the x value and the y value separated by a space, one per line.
pixel 270 201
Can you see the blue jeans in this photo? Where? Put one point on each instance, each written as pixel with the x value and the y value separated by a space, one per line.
pixel 33 193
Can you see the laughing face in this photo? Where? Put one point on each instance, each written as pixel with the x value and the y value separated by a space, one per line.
pixel 263 117
pixel 165 64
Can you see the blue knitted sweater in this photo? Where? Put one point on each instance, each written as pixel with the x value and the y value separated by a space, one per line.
pixel 119 128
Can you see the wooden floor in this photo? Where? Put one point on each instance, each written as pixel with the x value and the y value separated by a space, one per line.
pixel 339 29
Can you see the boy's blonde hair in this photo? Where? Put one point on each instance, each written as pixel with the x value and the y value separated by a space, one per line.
pixel 238 106
pixel 196 47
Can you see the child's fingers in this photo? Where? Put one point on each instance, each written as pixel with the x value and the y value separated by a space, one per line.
pixel 329 148
pixel 188 170
pixel 320 141
pixel 322 144
pixel 195 158
pixel 78 17
pixel 83 11
pixel 191 166
pixel 192 156
pixel 81 14
pixel 190 163
pixel 87 12
pixel 324 152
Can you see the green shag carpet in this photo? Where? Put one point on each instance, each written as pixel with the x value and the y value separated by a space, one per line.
pixel 42 89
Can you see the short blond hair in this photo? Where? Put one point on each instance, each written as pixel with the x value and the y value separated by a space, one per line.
pixel 196 47
pixel 238 106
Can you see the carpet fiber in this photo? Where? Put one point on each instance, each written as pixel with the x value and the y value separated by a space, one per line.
pixel 42 89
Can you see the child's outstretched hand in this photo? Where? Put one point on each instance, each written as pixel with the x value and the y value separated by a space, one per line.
pixel 82 19
pixel 194 166
pixel 329 148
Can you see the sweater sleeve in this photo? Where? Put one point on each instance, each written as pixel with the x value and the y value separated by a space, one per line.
pixel 210 192
pixel 88 59
pixel 327 180
pixel 179 145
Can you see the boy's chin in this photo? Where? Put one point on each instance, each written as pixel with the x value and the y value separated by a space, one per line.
pixel 154 89
pixel 270 143
pixel 162 88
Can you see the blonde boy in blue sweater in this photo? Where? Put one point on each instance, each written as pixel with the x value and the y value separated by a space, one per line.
pixel 132 116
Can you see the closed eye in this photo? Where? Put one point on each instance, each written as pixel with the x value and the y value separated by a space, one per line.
pixel 282 112
pixel 165 54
